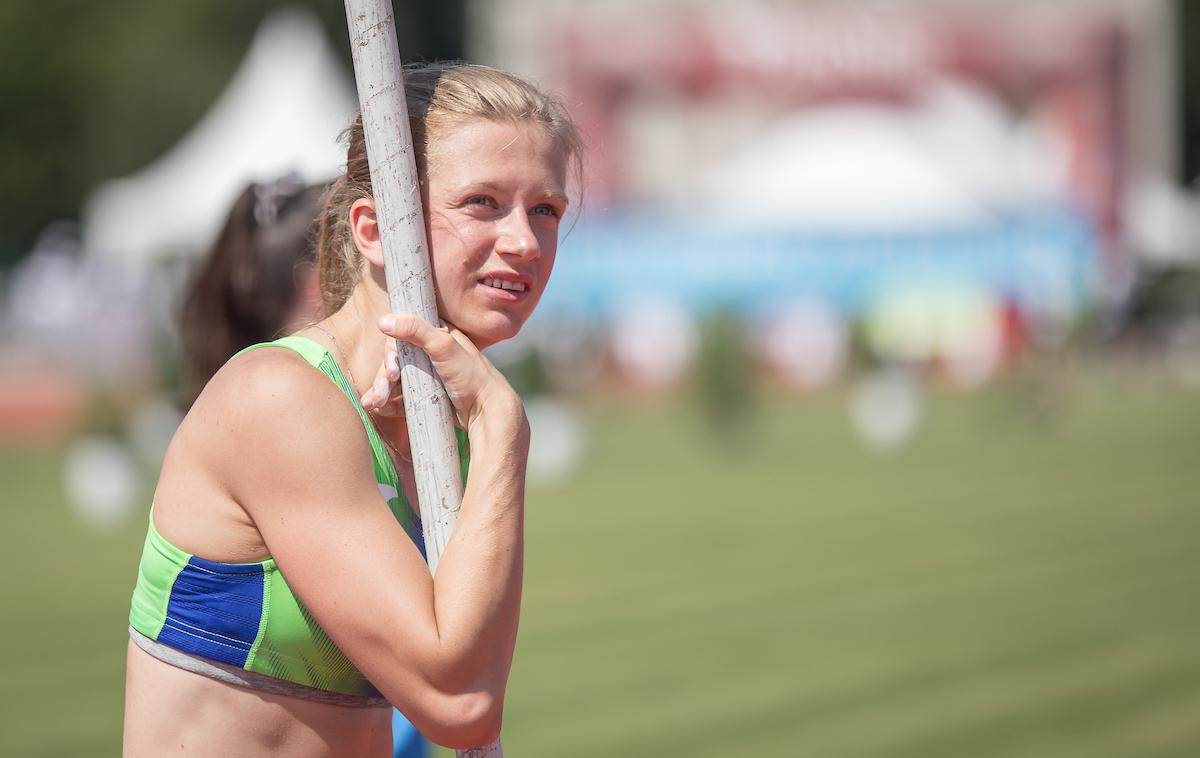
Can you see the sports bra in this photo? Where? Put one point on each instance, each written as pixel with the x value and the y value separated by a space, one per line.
pixel 241 622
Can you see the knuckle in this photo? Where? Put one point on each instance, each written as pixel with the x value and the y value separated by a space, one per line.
pixel 408 323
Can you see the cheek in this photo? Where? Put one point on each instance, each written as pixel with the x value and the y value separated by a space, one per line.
pixel 454 255
pixel 548 244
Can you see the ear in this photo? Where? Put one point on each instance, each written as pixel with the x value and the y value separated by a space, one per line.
pixel 365 228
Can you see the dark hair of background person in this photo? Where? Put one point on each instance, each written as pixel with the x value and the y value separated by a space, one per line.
pixel 251 286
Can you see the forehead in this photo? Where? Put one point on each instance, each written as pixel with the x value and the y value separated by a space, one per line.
pixel 482 150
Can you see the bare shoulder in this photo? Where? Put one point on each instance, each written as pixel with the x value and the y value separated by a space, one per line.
pixel 266 380
pixel 268 414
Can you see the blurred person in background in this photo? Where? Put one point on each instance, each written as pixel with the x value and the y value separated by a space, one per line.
pixel 258 282
pixel 280 606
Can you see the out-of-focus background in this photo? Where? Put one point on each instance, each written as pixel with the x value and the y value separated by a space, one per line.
pixel 866 395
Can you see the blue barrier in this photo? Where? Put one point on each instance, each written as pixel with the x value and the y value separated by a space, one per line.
pixel 607 261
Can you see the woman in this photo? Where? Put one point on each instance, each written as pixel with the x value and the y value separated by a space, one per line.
pixel 280 603
pixel 258 282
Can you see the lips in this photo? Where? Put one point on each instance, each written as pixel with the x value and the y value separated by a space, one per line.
pixel 505 284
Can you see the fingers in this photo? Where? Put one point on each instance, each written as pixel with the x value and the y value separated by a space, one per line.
pixel 391 363
pixel 384 396
pixel 465 372
pixel 392 408
pixel 385 388
pixel 433 340
pixel 416 330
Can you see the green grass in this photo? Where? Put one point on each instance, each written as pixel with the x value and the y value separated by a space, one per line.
pixel 995 588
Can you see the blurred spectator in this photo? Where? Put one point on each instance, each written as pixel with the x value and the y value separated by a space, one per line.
pixel 259 281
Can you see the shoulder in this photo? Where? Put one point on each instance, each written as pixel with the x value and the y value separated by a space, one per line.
pixel 269 382
pixel 269 410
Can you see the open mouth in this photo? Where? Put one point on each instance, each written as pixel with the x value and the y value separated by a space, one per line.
pixel 505 284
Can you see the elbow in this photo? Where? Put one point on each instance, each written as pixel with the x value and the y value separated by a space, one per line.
pixel 466 720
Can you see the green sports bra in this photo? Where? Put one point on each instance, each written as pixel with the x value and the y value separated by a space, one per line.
pixel 222 619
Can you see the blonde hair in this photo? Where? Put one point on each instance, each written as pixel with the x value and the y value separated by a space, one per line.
pixel 440 96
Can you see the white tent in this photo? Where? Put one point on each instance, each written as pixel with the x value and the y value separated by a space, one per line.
pixel 953 158
pixel 282 112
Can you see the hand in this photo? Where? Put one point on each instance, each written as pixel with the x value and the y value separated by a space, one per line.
pixel 385 398
pixel 472 383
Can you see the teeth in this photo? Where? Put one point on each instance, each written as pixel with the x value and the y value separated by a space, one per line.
pixel 505 284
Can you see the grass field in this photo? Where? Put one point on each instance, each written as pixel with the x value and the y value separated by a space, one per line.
pixel 996 588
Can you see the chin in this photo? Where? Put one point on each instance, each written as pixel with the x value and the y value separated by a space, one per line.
pixel 486 335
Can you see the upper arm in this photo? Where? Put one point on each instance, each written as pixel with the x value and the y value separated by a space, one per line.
pixel 302 469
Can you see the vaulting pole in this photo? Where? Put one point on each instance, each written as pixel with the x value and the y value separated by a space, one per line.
pixel 397 194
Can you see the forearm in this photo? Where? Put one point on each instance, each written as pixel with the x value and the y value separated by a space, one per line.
pixel 477 591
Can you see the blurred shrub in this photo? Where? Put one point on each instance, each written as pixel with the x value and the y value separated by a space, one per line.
pixel 725 379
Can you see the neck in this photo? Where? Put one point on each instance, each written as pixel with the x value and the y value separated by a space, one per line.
pixel 358 343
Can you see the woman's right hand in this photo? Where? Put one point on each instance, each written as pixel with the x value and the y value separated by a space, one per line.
pixel 473 384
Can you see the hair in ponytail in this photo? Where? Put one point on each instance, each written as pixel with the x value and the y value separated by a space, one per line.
pixel 246 289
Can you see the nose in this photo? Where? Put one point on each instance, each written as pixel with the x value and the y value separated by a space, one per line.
pixel 516 236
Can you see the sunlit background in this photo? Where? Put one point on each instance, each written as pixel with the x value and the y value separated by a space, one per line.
pixel 865 396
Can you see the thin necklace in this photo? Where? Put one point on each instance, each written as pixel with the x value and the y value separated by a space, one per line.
pixel 354 385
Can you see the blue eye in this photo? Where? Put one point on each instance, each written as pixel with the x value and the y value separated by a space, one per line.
pixel 546 210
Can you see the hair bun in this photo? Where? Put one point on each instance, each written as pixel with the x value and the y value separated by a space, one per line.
pixel 270 197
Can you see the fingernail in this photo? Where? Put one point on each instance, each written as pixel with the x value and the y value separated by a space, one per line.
pixel 387 322
pixel 381 388
pixel 368 398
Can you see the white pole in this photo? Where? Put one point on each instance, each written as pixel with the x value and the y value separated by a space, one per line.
pixel 397 195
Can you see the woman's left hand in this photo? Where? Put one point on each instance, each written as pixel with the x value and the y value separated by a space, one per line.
pixel 473 384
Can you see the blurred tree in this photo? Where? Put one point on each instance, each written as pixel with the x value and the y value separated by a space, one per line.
pixel 96 90
pixel 1188 45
